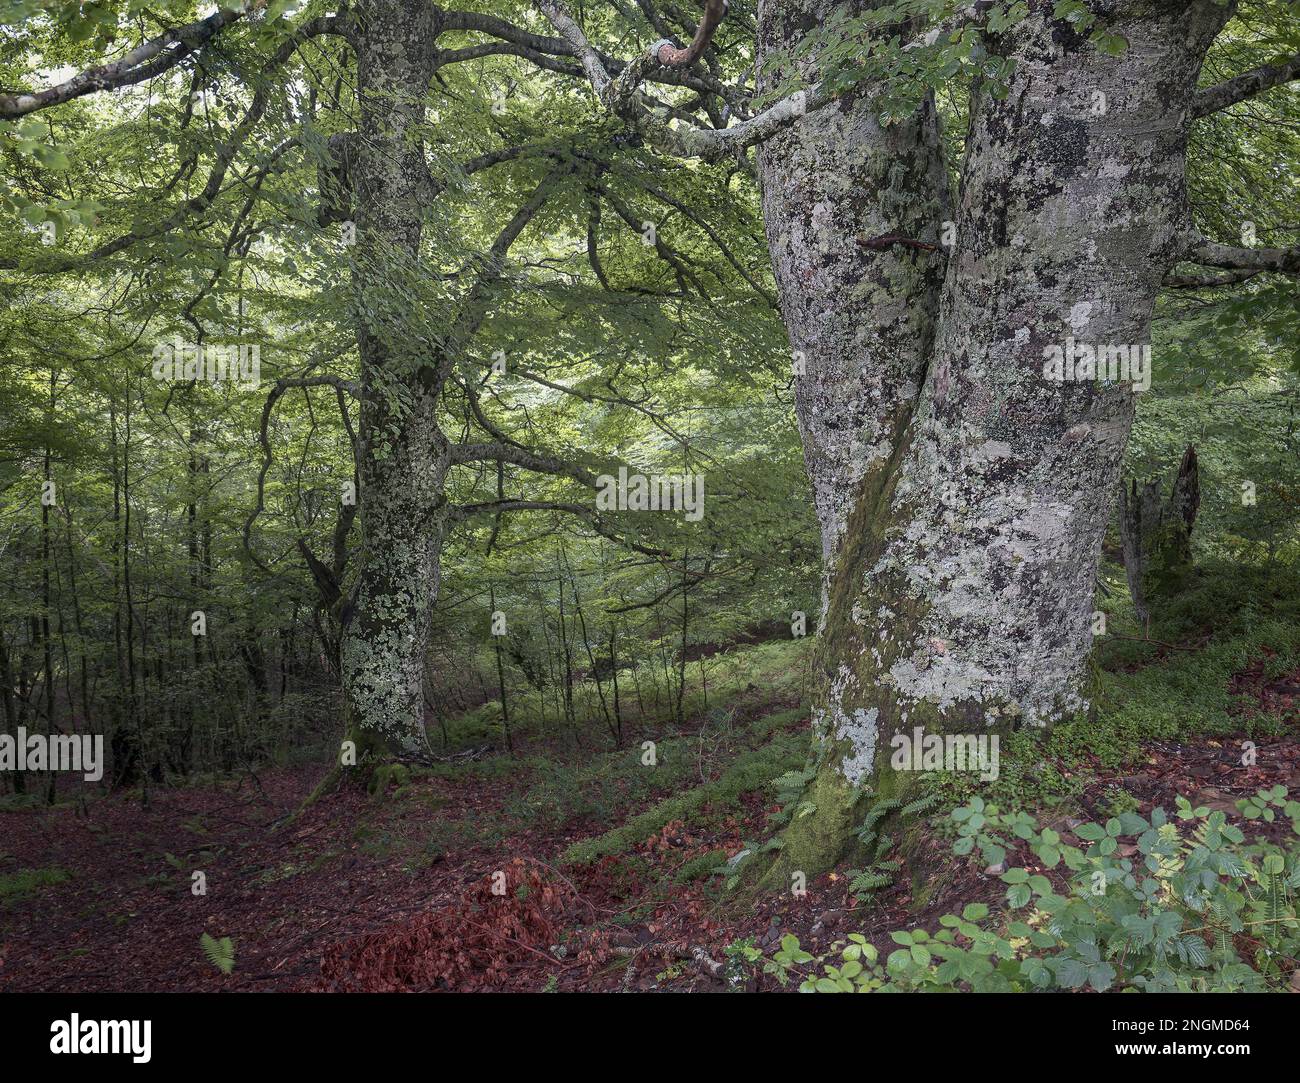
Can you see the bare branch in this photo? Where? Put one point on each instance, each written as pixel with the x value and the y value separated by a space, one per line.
pixel 577 41
pixel 505 48
pixel 620 97
pixel 499 28
pixel 145 61
pixel 1202 250
pixel 670 56
pixel 1247 85
pixel 264 441
pixel 518 456
pixel 1199 282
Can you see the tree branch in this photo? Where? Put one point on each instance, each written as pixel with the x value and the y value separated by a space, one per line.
pixel 216 178
pixel 474 307
pixel 1199 282
pixel 495 451
pixel 264 441
pixel 619 96
pixel 1202 250
pixel 670 55
pixel 495 507
pixel 145 61
pixel 1247 85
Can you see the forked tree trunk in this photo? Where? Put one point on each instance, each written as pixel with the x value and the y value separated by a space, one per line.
pixel 962 523
pixel 860 319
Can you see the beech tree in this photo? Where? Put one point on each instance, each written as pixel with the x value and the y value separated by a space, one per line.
pixel 427 400
pixel 962 492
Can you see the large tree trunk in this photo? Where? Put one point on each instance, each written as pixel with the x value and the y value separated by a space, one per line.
pixel 860 319
pixel 961 585
pixel 403 453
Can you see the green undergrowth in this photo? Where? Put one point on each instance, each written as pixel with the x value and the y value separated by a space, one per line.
pixel 550 794
pixel 15 885
pixel 1189 903
pixel 756 674
pixel 752 770
pixel 1231 619
pixel 696 773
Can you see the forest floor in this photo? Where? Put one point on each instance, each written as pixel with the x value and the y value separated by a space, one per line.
pixel 609 866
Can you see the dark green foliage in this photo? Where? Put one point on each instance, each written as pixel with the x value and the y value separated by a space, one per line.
pixel 1164 920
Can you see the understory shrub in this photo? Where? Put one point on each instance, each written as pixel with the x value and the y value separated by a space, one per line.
pixel 1181 904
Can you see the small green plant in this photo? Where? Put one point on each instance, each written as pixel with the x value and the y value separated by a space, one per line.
pixel 674 971
pixel 788 958
pixel 24 881
pixel 220 953
pixel 879 870
pixel 1119 801
pixel 1264 803
pixel 741 955
pixel 789 787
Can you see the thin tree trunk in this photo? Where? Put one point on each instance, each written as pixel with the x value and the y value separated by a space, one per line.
pixel 47 647
pixel 501 679
pixel 586 642
pixel 681 664
pixel 613 673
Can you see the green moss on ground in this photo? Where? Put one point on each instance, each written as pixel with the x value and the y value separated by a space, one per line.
pixel 751 771
pixel 14 885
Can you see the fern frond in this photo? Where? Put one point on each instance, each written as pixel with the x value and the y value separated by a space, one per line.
pixel 866 881
pixel 921 804
pixel 867 829
pixel 220 953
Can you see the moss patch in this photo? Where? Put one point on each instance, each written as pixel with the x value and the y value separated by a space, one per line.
pixel 14 885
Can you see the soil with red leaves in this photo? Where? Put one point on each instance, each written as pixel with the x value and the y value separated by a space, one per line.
pixel 312 904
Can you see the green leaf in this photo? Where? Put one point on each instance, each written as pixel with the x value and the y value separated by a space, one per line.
pixel 1100 976
pixel 220 953
pixel 1110 44
pixel 1070 973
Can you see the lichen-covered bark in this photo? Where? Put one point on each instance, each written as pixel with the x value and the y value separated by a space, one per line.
pixel 961 591
pixel 860 320
pixel 403 453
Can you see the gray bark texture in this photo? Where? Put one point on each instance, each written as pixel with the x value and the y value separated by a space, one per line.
pixel 962 494
pixel 404 455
